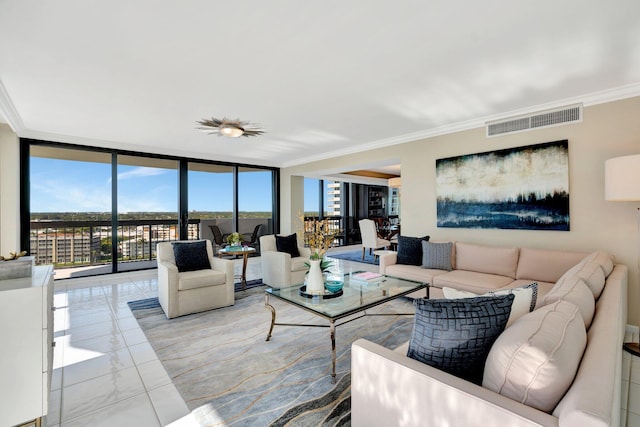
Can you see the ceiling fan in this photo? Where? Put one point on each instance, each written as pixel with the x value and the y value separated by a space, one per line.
pixel 229 128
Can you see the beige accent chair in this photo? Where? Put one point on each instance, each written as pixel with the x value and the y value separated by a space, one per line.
pixel 189 292
pixel 369 235
pixel 279 269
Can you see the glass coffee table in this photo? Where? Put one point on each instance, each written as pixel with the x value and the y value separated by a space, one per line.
pixel 352 303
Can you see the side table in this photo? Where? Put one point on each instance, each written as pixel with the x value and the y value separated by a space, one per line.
pixel 245 251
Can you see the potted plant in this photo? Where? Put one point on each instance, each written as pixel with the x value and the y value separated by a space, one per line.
pixel 234 239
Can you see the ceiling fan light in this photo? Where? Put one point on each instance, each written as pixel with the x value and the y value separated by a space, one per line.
pixel 231 131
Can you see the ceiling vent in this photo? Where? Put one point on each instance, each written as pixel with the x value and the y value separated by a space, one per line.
pixel 541 119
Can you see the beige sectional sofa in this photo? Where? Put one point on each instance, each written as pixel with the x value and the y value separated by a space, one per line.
pixel 389 388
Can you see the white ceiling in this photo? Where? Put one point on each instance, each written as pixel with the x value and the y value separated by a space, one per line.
pixel 323 78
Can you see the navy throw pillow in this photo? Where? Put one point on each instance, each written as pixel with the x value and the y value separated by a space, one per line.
pixel 288 244
pixel 455 336
pixel 410 250
pixel 191 256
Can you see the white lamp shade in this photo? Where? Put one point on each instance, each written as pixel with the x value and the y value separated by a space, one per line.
pixel 622 179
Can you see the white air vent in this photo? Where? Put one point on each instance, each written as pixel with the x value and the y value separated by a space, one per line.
pixel 557 116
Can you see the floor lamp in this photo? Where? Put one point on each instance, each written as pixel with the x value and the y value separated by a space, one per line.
pixel 622 184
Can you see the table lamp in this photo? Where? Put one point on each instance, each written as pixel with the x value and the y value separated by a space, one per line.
pixel 622 184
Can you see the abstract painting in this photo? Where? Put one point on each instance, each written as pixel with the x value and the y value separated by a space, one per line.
pixel 517 188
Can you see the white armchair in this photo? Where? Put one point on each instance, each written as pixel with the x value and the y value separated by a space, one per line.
pixel 279 269
pixel 370 238
pixel 189 292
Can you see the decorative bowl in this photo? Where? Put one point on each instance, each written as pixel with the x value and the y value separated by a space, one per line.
pixel 333 285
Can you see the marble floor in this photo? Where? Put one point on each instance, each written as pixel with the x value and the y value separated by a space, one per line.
pixel 106 373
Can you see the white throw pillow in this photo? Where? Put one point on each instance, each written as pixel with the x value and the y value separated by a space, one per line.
pixel 604 259
pixel 524 302
pixel 577 292
pixel 592 274
pixel 535 361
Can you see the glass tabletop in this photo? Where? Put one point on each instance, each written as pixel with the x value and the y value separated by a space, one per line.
pixel 357 295
pixel 236 249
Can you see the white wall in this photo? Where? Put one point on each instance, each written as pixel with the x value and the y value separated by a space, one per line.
pixel 608 130
pixel 9 191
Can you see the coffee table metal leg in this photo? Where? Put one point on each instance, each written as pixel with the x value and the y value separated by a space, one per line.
pixel 273 316
pixel 332 329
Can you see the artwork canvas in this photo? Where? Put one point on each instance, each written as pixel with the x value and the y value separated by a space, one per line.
pixel 517 188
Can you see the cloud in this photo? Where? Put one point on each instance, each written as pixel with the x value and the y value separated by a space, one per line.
pixel 141 172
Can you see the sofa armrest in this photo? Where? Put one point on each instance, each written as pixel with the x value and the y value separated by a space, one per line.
pixel 168 288
pixel 388 388
pixel 276 269
pixel 227 266
pixel 304 252
pixel 386 260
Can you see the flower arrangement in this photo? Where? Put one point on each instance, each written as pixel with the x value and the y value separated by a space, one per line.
pixel 318 236
pixel 234 239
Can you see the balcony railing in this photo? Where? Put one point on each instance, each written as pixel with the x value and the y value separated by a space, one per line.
pixel 89 243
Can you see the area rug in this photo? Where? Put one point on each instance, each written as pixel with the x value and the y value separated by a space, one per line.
pixel 355 256
pixel 229 375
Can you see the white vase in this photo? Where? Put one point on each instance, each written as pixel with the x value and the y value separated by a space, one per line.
pixel 315 279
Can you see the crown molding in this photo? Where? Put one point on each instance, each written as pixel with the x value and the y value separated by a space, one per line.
pixel 587 100
pixel 9 112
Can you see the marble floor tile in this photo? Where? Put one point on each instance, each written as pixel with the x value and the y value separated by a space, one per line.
pixel 94 394
pixel 135 411
pixel 153 374
pixel 168 403
pixel 102 364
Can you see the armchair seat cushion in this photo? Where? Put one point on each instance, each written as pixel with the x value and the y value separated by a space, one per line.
pixel 200 279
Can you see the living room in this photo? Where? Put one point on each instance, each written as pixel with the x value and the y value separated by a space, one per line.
pixel 608 128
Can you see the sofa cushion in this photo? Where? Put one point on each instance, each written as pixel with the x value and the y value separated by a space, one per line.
pixel 545 266
pixel 471 281
pixel 288 244
pixel 410 250
pixel 413 272
pixel 487 259
pixel 436 255
pixel 456 335
pixel 200 279
pixel 524 302
pixel 577 292
pixel 535 360
pixel 604 259
pixel 191 256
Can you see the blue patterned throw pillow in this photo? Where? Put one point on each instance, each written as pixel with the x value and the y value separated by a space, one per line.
pixel 191 256
pixel 437 255
pixel 410 250
pixel 456 335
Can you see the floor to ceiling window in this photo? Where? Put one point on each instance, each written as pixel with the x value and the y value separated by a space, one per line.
pixel 96 211
pixel 147 208
pixel 255 203
pixel 211 200
pixel 70 210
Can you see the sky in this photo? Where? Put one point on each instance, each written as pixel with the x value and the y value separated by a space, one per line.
pixel 75 186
